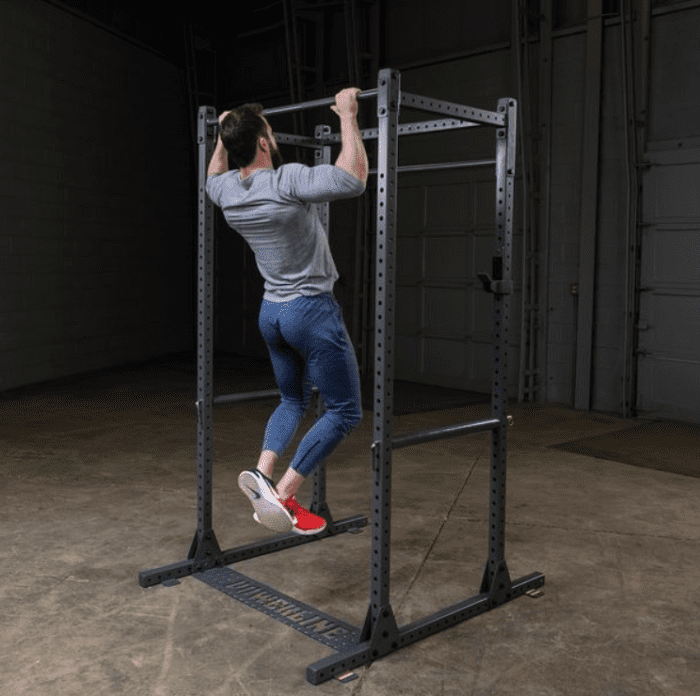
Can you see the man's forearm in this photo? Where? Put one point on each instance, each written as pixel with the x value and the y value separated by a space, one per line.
pixel 219 160
pixel 353 156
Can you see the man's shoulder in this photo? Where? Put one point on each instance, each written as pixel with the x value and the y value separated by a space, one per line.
pixel 223 175
pixel 220 179
pixel 295 171
pixel 291 176
pixel 291 169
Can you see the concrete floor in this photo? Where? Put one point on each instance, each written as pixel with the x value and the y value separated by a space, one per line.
pixel 98 483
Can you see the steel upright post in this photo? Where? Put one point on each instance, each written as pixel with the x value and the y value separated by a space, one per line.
pixel 388 101
pixel 204 545
pixel 496 581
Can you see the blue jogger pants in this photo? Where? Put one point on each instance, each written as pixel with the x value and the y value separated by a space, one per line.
pixel 309 345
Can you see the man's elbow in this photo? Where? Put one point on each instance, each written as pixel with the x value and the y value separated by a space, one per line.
pixel 361 175
pixel 355 189
pixel 361 180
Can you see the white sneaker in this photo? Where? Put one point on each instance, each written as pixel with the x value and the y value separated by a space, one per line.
pixel 269 510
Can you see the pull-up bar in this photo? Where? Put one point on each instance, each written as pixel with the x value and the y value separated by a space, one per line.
pixel 403 99
pixel 328 101
pixel 291 108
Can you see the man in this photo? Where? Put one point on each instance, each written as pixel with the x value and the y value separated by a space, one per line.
pixel 270 204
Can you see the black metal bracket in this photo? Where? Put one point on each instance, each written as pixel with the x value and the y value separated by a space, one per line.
pixel 383 637
pixel 498 585
pixel 204 548
pixel 496 285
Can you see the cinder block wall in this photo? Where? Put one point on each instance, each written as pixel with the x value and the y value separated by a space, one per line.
pixel 97 205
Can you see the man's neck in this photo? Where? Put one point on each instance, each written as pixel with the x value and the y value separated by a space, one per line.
pixel 248 171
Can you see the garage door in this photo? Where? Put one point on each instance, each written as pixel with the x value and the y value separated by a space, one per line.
pixel 444 318
pixel 669 319
pixel 668 362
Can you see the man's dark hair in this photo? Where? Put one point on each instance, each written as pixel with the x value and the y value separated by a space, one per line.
pixel 240 130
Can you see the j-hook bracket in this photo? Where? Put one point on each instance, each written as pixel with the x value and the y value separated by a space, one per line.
pixel 496 285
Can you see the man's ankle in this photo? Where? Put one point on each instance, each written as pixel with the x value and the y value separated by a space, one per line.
pixel 284 495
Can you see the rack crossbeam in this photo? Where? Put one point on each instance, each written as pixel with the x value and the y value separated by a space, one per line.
pixel 182 569
pixel 363 653
pixel 438 106
pixel 447 431
pixel 416 128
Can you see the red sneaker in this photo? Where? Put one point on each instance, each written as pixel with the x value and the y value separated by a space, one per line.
pixel 305 522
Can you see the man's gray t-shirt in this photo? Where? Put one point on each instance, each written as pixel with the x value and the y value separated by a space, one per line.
pixel 273 211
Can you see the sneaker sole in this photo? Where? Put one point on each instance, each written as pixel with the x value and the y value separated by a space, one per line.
pixel 269 510
pixel 296 530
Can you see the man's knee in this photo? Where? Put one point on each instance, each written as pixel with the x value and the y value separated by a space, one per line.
pixel 346 419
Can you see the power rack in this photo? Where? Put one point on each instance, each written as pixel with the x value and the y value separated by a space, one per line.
pixel 380 635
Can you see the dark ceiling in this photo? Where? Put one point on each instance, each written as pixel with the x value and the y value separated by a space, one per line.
pixel 214 24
